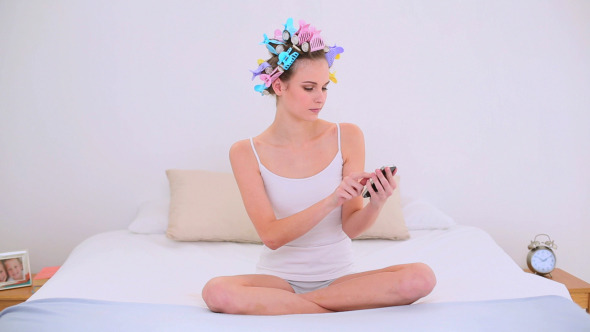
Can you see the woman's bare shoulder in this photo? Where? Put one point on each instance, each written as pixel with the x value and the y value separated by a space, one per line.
pixel 240 146
pixel 351 131
pixel 240 151
pixel 353 144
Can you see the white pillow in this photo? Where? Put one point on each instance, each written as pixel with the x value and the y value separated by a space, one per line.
pixel 420 215
pixel 192 221
pixel 151 218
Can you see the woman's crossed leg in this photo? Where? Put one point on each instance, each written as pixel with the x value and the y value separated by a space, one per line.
pixel 270 295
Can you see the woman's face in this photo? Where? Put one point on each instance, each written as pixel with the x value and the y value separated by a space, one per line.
pixel 305 93
pixel 3 275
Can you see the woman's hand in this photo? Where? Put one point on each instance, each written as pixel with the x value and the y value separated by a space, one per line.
pixel 385 185
pixel 350 187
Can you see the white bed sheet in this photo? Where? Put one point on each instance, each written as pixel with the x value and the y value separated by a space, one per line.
pixel 126 267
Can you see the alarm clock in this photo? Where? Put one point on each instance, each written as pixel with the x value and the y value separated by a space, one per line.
pixel 541 258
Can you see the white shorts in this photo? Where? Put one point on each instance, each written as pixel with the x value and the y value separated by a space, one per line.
pixel 301 287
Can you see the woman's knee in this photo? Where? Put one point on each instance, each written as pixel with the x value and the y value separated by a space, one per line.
pixel 217 294
pixel 419 280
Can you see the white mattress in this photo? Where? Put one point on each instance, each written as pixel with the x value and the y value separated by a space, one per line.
pixel 125 267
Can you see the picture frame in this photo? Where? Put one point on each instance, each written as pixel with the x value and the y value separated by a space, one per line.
pixel 15 270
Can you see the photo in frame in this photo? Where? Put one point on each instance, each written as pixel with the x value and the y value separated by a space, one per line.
pixel 15 270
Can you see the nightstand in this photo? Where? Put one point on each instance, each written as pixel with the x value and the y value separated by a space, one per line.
pixel 15 296
pixel 578 288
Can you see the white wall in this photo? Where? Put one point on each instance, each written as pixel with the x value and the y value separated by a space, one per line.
pixel 483 105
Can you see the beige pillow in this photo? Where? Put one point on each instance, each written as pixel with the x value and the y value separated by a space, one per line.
pixel 207 206
pixel 390 224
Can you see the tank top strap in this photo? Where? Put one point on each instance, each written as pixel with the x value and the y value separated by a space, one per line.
pixel 254 149
pixel 338 126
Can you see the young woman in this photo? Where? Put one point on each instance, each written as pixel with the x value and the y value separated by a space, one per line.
pixel 301 182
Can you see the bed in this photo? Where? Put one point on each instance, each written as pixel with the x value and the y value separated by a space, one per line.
pixel 145 278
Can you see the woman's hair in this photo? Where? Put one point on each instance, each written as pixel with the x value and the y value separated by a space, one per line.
pixel 289 47
pixel 286 75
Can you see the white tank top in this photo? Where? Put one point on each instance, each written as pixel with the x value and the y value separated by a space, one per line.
pixel 325 251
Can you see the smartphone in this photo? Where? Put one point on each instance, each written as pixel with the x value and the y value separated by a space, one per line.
pixel 366 193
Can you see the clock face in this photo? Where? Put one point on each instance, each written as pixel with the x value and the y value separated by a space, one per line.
pixel 543 260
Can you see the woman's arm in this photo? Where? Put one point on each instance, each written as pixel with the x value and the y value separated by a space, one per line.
pixel 273 232
pixel 356 218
